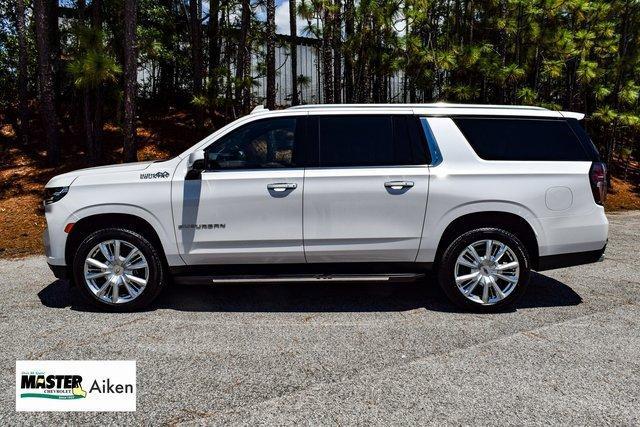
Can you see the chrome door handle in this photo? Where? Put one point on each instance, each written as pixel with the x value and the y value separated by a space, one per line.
pixel 398 185
pixel 282 186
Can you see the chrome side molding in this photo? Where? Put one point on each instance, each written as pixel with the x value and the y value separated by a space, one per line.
pixel 218 280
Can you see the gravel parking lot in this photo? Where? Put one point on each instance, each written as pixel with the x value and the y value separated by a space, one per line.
pixel 342 354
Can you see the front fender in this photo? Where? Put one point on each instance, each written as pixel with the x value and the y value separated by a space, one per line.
pixel 166 236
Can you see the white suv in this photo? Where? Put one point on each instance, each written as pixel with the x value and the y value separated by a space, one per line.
pixel 479 194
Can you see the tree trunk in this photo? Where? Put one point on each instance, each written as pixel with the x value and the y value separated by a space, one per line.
pixel 96 14
pixel 327 68
pixel 195 16
pixel 405 81
pixel 88 126
pixel 295 99
pixel 246 91
pixel 46 93
pixel 375 68
pixel 86 101
pixel 228 90
pixel 360 92
pixel 166 88
pixel 96 23
pixel 626 167
pixel 214 50
pixel 244 54
pixel 622 50
pixel 348 59
pixel 337 53
pixel 54 49
pixel 130 80
pixel 97 123
pixel 271 54
pixel 23 75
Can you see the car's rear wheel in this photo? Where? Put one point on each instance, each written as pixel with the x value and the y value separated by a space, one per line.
pixel 118 269
pixel 486 269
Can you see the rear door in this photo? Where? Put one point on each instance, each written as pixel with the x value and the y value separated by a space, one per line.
pixel 365 199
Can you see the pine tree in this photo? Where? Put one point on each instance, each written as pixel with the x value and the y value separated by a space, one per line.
pixel 349 24
pixel 337 51
pixel 214 49
pixel 293 47
pixel 46 92
pixel 243 61
pixel 271 56
pixel 23 74
pixel 327 52
pixel 195 19
pixel 130 81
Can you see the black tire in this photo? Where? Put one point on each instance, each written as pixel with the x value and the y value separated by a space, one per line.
pixel 157 279
pixel 447 266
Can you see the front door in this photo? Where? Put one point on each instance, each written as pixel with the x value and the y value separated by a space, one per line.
pixel 366 200
pixel 247 205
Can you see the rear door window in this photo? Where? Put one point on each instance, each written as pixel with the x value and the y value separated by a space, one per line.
pixel 522 139
pixel 367 140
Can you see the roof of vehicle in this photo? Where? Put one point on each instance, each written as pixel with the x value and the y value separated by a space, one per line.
pixel 433 105
pixel 432 110
pixel 437 109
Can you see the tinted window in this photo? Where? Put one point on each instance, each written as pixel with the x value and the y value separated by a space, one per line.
pixel 261 144
pixel 521 139
pixel 586 141
pixel 367 141
pixel 410 140
pixel 434 151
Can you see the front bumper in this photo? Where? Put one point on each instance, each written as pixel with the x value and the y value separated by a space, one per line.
pixel 54 239
pixel 60 271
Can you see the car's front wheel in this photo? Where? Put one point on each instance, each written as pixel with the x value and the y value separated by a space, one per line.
pixel 485 269
pixel 118 269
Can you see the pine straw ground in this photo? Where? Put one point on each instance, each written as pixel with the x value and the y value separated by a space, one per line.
pixel 23 173
pixel 23 176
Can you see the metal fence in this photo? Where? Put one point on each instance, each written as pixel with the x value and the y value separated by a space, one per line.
pixel 310 86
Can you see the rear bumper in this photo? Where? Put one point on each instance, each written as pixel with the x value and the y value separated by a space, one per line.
pixel 574 234
pixel 551 262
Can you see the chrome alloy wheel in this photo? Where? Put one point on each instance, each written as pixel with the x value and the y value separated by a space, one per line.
pixel 116 271
pixel 487 271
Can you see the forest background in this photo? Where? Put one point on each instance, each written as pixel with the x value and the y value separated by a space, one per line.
pixel 89 82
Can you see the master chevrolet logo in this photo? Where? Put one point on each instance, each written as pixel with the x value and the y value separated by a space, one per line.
pixel 52 386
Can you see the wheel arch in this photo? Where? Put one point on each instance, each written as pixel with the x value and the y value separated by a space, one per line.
pixel 88 224
pixel 508 221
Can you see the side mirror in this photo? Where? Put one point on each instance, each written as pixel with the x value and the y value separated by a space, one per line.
pixel 195 164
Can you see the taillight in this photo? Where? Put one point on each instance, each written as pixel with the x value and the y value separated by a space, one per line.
pixel 598 180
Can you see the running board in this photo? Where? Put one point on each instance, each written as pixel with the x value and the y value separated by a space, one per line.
pixel 219 280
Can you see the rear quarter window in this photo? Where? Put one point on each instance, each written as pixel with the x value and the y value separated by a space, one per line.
pixel 586 141
pixel 522 139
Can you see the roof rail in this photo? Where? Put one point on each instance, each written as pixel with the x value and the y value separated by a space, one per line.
pixel 572 115
pixel 434 105
pixel 258 109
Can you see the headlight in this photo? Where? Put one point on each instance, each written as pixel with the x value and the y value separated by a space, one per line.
pixel 53 194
